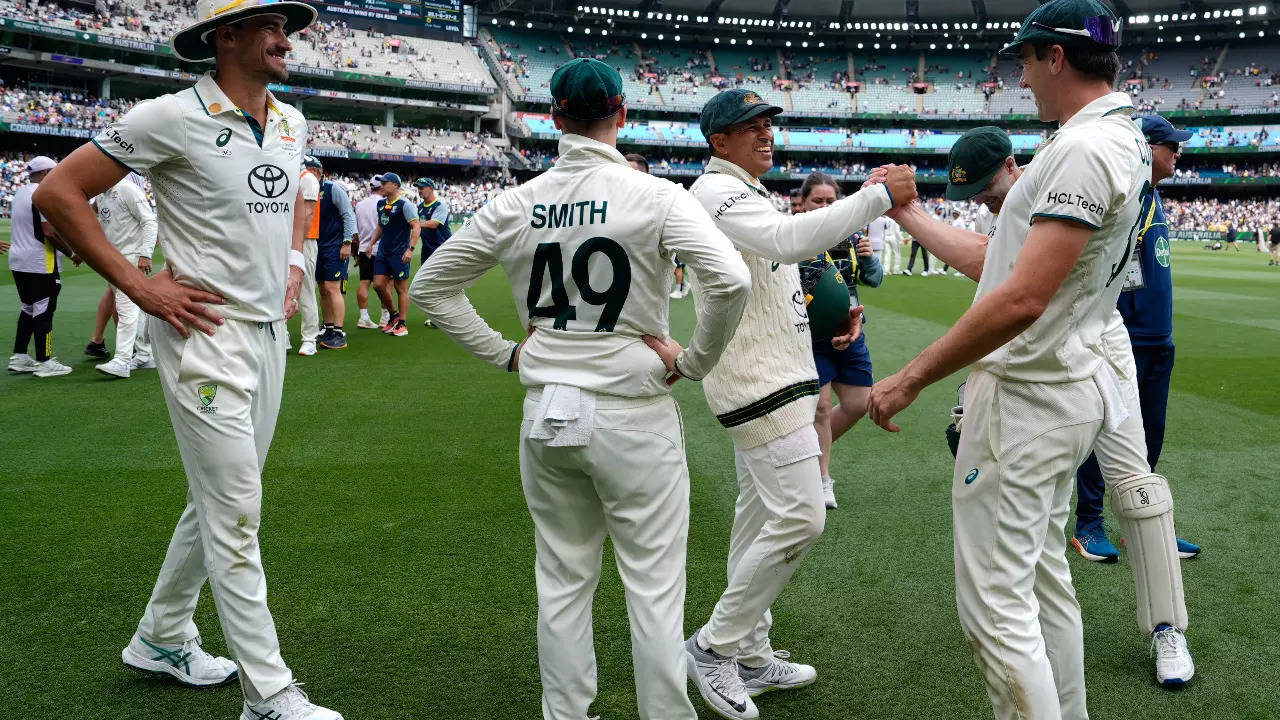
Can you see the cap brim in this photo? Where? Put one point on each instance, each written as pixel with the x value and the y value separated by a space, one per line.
pixel 968 190
pixel 750 113
pixel 1182 135
pixel 188 44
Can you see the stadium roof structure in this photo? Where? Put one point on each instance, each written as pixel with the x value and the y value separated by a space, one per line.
pixel 845 11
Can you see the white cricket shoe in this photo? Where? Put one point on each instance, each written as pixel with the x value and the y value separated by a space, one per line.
pixel 1174 666
pixel 907 272
pixel 51 368
pixel 308 347
pixel 958 273
pixel 186 662
pixel 716 677
pixel 146 362
pixel 22 363
pixel 119 367
pixel 290 703
pixel 829 493
pixel 366 323
pixel 779 674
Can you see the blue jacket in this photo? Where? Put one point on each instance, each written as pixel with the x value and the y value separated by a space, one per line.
pixel 1148 311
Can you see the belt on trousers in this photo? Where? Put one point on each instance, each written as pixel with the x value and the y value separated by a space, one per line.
pixel 270 327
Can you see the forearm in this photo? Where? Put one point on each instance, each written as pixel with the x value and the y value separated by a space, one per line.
pixel 69 213
pixel 871 271
pixel 150 230
pixel 961 249
pixel 437 290
pixel 431 224
pixel 414 235
pixel 758 229
pixel 985 327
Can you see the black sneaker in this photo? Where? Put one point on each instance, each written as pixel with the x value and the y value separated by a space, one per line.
pixel 97 350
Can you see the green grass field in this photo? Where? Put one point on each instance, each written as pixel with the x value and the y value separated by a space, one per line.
pixel 400 554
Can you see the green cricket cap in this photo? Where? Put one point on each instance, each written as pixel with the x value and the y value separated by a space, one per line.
pixel 828 304
pixel 586 89
pixel 974 160
pixel 731 107
pixel 1068 22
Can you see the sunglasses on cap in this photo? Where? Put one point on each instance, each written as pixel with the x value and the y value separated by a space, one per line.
pixel 1099 28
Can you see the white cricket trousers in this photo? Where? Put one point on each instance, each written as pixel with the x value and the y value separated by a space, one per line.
pixel 630 483
pixel 223 394
pixel 131 325
pixel 779 516
pixel 308 308
pixel 891 256
pixel 1015 470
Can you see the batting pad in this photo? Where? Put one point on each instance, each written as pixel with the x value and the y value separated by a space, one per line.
pixel 1144 506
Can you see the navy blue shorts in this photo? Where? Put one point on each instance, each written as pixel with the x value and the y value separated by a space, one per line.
pixel 391 266
pixel 851 366
pixel 330 267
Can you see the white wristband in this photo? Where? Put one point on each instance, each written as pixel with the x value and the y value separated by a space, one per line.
pixel 297 259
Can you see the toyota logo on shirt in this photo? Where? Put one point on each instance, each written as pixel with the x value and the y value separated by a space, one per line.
pixel 268 181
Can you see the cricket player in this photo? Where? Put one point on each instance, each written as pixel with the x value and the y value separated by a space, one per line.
pixel 396 237
pixel 366 224
pixel 433 213
pixel 1040 389
pixel 35 259
pixel 587 248
pixel 309 182
pixel 765 393
pixel 884 232
pixel 130 224
pixel 990 172
pixel 225 157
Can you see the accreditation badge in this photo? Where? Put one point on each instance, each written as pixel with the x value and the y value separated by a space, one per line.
pixel 1133 279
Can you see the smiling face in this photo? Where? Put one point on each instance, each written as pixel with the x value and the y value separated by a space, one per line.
pixel 748 144
pixel 994 193
pixel 257 45
pixel 1038 77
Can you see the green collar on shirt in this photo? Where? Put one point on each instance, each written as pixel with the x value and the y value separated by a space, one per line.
pixel 216 102
pixel 724 167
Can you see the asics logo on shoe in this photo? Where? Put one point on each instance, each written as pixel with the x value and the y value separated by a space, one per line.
pixel 174 657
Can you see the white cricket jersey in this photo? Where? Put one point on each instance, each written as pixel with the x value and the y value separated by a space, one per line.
pixel 986 221
pixel 1094 171
pixel 367 222
pixel 127 219
pixel 28 252
pixel 881 230
pixel 766 386
pixel 224 200
pixel 587 249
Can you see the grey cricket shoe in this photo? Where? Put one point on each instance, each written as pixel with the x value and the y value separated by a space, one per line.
pixel 779 674
pixel 716 678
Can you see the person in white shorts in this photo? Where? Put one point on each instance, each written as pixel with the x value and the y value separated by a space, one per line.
pixel 765 393
pixel 587 248
pixel 1040 389
pixel 225 157
pixel 130 224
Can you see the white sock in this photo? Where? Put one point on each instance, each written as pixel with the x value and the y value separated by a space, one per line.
pixel 385 316
pixel 364 313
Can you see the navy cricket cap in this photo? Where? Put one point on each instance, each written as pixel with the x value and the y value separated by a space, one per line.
pixel 1159 130
pixel 312 161
pixel 424 182
pixel 391 178
pixel 731 107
